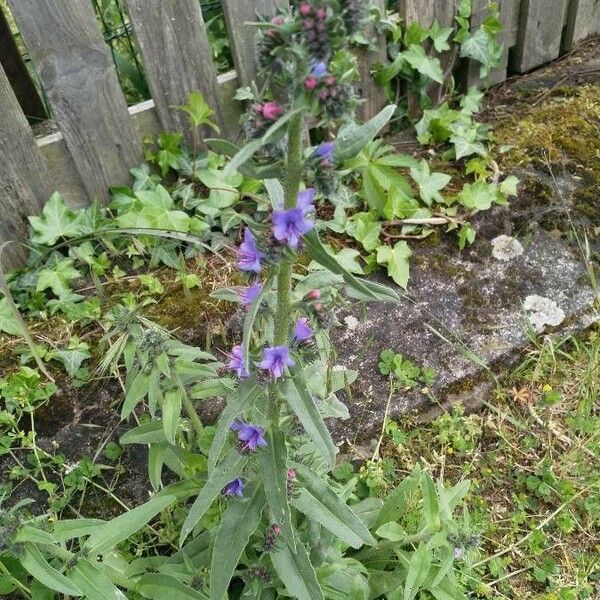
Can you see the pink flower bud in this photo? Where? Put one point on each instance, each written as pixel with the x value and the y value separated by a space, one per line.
pixel 319 306
pixel 291 474
pixel 330 80
pixel 313 295
pixel 323 94
pixel 257 108
pixel 272 111
pixel 278 20
pixel 308 23
pixel 305 9
pixel 276 529
pixel 321 13
pixel 310 83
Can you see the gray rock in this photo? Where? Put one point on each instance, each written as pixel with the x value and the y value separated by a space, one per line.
pixel 466 314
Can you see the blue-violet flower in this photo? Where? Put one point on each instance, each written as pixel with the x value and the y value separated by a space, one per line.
pixel 249 256
pixel 302 330
pixel 251 436
pixel 248 295
pixel 234 488
pixel 236 362
pixel 275 360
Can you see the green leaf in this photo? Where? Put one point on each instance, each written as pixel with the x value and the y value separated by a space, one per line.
pixel 163 587
pixel 136 393
pixel 466 235
pixel 127 524
pixel 364 229
pixel 391 531
pixel 431 509
pixel 303 405
pixel 297 573
pixel 148 433
pixel 9 322
pixel 156 460
pixel 226 471
pixel 478 196
pixel 57 278
pixel 509 186
pixel 94 584
pixel 55 222
pixel 41 570
pixel 429 184
pixel 370 290
pixel 239 522
pixel 68 529
pixel 171 411
pixel 395 503
pixel 331 508
pixel 353 138
pixel 245 397
pixel 273 461
pixel 199 111
pixel 471 101
pixel 440 36
pixel 397 262
pixel 418 570
pixel 417 58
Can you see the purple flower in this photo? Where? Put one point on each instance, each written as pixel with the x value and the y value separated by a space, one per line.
pixel 234 488
pixel 248 295
pixel 275 360
pixel 305 200
pixel 251 436
pixel 318 69
pixel 248 254
pixel 236 362
pixel 302 330
pixel 325 151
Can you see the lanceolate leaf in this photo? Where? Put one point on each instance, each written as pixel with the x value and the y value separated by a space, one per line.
pixel 136 393
pixel 274 473
pixel 296 573
pixel 39 568
pixel 228 470
pixel 239 522
pixel 67 529
pixel 127 524
pixel 236 406
pixel 418 569
pixel 353 138
pixel 321 491
pixel 367 289
pixel 163 587
pixel 171 410
pixel 302 403
pixel 148 433
pixel 94 584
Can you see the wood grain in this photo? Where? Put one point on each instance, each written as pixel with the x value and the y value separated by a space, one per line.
pixel 540 32
pixel 24 178
pixel 583 20
pixel 79 78
pixel 177 58
pixel 242 37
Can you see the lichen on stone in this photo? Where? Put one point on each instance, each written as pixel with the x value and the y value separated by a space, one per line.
pixel 543 312
pixel 505 247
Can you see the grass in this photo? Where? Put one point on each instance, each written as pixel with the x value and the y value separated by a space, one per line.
pixel 533 457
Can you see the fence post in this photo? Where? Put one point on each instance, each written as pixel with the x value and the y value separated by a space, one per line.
pixel 24 177
pixel 79 78
pixel 18 75
pixel 177 58
pixel 372 94
pixel 583 20
pixel 242 36
pixel 540 32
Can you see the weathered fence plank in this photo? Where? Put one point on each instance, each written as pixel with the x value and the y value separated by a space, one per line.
pixel 24 178
pixel 177 58
pixel 372 95
pixel 478 15
pixel 540 32
pixel 17 73
pixel 79 78
pixel 583 20
pixel 241 36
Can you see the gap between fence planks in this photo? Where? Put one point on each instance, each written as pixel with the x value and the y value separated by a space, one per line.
pixel 242 36
pixel 79 78
pixel 24 178
pixel 177 58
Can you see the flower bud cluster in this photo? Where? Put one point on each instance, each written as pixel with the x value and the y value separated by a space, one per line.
pixel 268 45
pixel 271 538
pixel 354 15
pixel 260 117
pixel 315 30
pixel 257 572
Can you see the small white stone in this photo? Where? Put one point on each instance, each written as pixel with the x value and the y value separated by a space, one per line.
pixel 542 312
pixel 351 322
pixel 505 247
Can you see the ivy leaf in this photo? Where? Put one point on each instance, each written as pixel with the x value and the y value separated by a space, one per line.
pixel 478 196
pixel 482 48
pixel 471 101
pixel 429 184
pixel 465 143
pixel 396 259
pixel 8 320
pixel 57 278
pixel 72 359
pixel 363 228
pixel 199 111
pixel 466 235
pixel 440 36
pixel 416 57
pixel 509 186
pixel 55 222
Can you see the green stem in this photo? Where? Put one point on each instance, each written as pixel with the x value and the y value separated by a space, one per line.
pixel 291 188
pixel 192 414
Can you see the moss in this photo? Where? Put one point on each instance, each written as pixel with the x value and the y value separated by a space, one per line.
pixel 563 129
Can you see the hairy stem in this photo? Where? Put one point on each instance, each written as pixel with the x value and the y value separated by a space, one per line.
pixel 291 188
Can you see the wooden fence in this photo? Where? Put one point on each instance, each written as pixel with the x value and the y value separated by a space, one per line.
pixel 99 138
